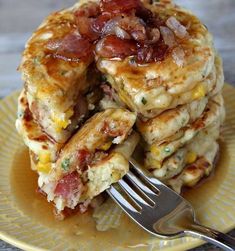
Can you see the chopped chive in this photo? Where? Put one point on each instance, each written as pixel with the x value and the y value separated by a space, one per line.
pixel 144 101
pixel 132 60
pixel 20 115
pixel 121 85
pixel 63 73
pixel 183 121
pixel 167 150
pixel 178 157
pixel 36 60
pixel 65 164
pixel 103 78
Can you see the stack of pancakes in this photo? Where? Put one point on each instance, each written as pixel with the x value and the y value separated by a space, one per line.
pixel 180 107
pixel 77 116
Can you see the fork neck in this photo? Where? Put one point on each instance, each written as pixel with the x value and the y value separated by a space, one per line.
pixel 215 237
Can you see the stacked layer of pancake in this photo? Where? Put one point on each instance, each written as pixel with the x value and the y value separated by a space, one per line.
pixel 178 100
pixel 85 88
pixel 96 156
pixel 181 144
pixel 75 161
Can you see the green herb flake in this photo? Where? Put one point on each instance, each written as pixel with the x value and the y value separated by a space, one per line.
pixel 144 101
pixel 36 60
pixel 103 78
pixel 20 114
pixel 167 150
pixel 132 61
pixel 65 164
pixel 62 73
pixel 179 157
pixel 184 121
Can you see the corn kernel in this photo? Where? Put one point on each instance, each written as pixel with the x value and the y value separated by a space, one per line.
pixel 105 146
pixel 58 129
pixel 199 92
pixel 69 113
pixel 44 157
pixel 60 124
pixel 154 150
pixel 191 157
pixel 155 163
pixel 44 168
pixel 63 123
pixel 116 176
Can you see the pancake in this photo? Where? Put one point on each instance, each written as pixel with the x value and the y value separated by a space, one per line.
pixel 219 77
pixel 198 147
pixel 158 151
pixel 55 88
pixel 194 172
pixel 90 159
pixel 43 147
pixel 95 179
pixel 151 88
pixel 155 129
pixel 99 133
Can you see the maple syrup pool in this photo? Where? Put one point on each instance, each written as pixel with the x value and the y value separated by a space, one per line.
pixel 79 228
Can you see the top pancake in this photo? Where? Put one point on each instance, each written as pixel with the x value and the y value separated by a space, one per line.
pixel 154 86
pixel 56 88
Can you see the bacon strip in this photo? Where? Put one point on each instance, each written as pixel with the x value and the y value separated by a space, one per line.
pixel 112 46
pixel 118 6
pixel 70 185
pixel 74 47
pixel 118 29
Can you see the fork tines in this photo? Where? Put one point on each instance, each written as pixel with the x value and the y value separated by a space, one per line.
pixel 140 190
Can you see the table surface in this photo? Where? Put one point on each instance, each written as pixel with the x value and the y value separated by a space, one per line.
pixel 18 19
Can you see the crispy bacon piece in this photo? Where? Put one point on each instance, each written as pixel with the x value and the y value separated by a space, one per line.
pixel 112 46
pixel 67 212
pixel 118 6
pixel 70 185
pixel 81 108
pixel 125 27
pixel 88 10
pixel 84 25
pixel 116 29
pixel 111 131
pixel 108 90
pixel 84 158
pixel 28 115
pixel 74 47
pixel 155 53
pixel 85 17
pixel 145 14
pixel 145 54
pixel 99 23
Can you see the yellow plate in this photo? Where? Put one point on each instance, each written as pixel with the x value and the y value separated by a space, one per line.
pixel 26 219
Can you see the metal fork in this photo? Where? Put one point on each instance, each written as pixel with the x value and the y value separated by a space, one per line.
pixel 161 211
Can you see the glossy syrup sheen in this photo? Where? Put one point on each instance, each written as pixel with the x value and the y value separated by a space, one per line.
pixel 79 229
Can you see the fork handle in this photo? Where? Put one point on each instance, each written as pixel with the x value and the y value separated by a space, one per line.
pixel 215 237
